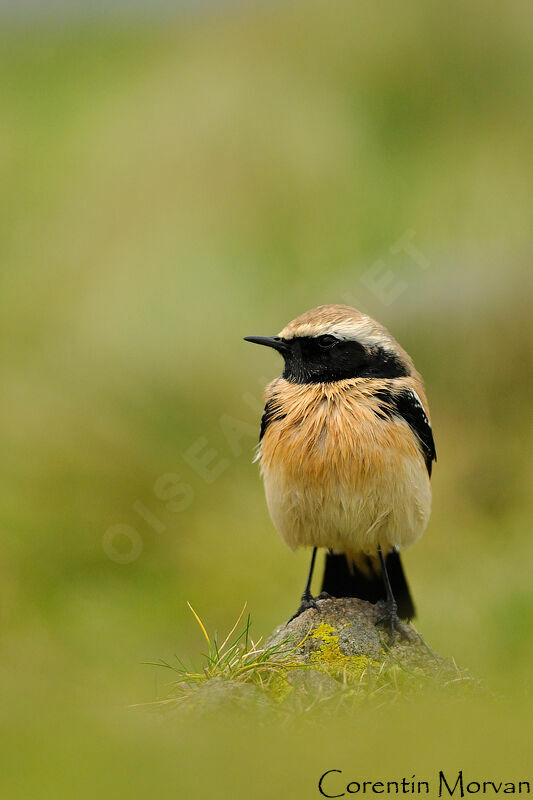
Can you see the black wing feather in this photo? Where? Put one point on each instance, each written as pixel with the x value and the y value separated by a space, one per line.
pixel 407 405
pixel 269 414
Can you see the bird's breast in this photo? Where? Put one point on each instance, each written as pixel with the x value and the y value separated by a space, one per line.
pixel 333 432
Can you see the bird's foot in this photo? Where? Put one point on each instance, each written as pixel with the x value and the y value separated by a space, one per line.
pixel 308 601
pixel 392 621
pixel 324 596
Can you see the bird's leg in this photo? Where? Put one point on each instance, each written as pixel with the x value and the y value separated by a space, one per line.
pixel 308 601
pixel 391 612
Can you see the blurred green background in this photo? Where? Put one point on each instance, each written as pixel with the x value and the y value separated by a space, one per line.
pixel 168 185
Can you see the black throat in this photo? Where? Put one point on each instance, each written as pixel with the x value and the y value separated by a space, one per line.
pixel 306 361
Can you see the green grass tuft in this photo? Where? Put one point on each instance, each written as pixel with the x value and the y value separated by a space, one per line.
pixel 238 659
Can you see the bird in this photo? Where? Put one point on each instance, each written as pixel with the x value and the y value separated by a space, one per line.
pixel 346 451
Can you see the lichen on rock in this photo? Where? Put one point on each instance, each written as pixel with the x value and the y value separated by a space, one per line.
pixel 342 640
pixel 330 659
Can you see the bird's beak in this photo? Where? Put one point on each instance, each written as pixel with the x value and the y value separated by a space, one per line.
pixel 270 341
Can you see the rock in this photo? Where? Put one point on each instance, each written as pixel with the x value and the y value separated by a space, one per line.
pixel 342 640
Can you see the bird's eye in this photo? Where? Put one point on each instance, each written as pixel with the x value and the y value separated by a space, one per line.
pixel 326 341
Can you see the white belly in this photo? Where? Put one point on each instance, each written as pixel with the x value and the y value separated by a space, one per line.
pixel 391 509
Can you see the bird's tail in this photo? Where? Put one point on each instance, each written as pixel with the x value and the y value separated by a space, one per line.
pixel 343 579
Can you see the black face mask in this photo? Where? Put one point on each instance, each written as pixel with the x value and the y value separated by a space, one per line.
pixel 324 359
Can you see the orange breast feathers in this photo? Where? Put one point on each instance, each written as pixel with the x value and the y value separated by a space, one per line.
pixel 326 432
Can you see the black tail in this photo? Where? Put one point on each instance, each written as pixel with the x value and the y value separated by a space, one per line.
pixel 343 580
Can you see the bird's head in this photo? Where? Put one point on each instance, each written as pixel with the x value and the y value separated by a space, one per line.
pixel 335 342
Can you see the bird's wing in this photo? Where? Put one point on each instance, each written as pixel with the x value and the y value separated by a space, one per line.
pixel 270 413
pixel 407 405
